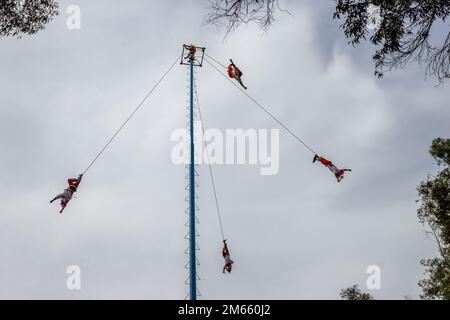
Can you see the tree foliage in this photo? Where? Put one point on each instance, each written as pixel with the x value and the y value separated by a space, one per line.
pixel 434 212
pixel 402 32
pixel 18 17
pixel 354 293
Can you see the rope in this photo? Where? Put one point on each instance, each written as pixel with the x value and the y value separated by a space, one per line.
pixel 223 66
pixel 262 108
pixel 209 165
pixel 130 116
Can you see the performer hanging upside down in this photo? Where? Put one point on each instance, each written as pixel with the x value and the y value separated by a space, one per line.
pixel 191 54
pixel 67 194
pixel 226 256
pixel 235 73
pixel 338 173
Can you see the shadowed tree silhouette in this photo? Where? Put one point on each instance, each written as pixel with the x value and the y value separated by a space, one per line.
pixel 435 213
pixel 18 17
pixel 354 293
pixel 402 31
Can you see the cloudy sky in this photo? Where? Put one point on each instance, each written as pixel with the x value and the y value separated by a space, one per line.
pixel 294 235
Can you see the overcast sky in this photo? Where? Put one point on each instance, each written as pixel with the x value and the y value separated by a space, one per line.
pixel 295 235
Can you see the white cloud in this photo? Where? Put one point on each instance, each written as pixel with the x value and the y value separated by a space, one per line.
pixel 312 235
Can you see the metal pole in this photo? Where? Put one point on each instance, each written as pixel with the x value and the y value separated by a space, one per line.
pixel 192 260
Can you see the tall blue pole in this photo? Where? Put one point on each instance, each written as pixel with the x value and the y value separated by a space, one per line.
pixel 192 260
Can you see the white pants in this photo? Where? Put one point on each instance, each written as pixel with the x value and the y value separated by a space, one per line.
pixel 333 168
pixel 65 196
pixel 228 260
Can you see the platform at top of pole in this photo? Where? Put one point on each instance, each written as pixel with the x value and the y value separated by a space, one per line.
pixel 194 53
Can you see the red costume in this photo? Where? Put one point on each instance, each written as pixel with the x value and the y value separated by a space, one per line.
pixel 73 183
pixel 67 194
pixel 338 173
pixel 235 73
pixel 230 71
pixel 226 256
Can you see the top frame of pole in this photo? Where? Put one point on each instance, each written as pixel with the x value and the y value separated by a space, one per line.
pixel 194 53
